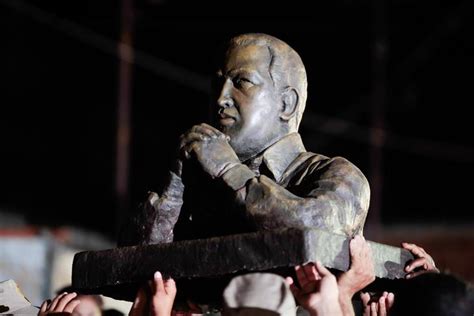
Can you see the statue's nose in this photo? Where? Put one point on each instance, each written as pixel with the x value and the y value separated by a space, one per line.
pixel 225 97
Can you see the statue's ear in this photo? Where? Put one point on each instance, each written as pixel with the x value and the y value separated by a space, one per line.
pixel 289 99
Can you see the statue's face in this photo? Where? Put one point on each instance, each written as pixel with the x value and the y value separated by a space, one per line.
pixel 248 103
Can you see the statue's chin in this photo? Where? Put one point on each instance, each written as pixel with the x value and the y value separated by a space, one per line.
pixel 246 148
pixel 241 148
pixel 247 144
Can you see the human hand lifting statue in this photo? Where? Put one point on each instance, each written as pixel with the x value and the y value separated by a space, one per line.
pixel 210 147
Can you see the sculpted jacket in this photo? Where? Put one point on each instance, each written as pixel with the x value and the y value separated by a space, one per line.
pixel 285 186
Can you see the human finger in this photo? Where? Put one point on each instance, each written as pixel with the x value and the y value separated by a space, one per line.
pixel 416 250
pixel 361 254
pixel 382 311
pixel 365 304
pixel 311 272
pixel 44 306
pixel 301 276
pixel 170 287
pixel 417 273
pixel 355 244
pixel 55 301
pixel 293 288
pixel 65 299
pixel 390 300
pixel 419 262
pixel 157 285
pixel 71 305
pixel 322 270
pixel 373 309
pixel 359 248
pixel 365 298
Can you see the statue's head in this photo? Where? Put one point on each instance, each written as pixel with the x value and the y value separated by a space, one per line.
pixel 261 92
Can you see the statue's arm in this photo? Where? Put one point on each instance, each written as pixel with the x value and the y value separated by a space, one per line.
pixel 337 198
pixel 167 208
pixel 155 221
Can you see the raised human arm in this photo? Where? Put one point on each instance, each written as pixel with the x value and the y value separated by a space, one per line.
pixel 360 274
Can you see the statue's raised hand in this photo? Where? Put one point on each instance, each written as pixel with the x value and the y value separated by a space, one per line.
pixel 211 149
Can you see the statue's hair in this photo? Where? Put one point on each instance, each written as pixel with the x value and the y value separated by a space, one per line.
pixel 286 67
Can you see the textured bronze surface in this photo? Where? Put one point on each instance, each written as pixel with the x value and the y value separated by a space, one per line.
pixel 247 169
pixel 218 258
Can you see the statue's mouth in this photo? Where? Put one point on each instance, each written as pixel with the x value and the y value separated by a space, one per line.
pixel 226 119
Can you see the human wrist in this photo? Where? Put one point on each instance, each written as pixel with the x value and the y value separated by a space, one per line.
pixel 345 303
pixel 346 289
pixel 333 309
pixel 346 292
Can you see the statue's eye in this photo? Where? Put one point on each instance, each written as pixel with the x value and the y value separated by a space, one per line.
pixel 243 82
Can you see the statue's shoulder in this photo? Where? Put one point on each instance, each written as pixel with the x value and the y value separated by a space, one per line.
pixel 318 162
pixel 341 170
pixel 314 159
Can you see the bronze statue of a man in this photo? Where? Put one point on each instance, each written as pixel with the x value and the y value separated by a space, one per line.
pixel 248 170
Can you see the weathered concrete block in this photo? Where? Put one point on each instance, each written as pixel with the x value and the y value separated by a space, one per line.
pixel 221 257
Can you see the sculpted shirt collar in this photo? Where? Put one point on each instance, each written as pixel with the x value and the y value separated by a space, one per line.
pixel 280 155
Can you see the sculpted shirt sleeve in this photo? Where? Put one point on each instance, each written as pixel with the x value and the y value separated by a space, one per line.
pixel 155 221
pixel 332 194
pixel 167 208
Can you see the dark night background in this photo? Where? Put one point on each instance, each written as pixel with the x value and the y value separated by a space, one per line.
pixel 408 72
